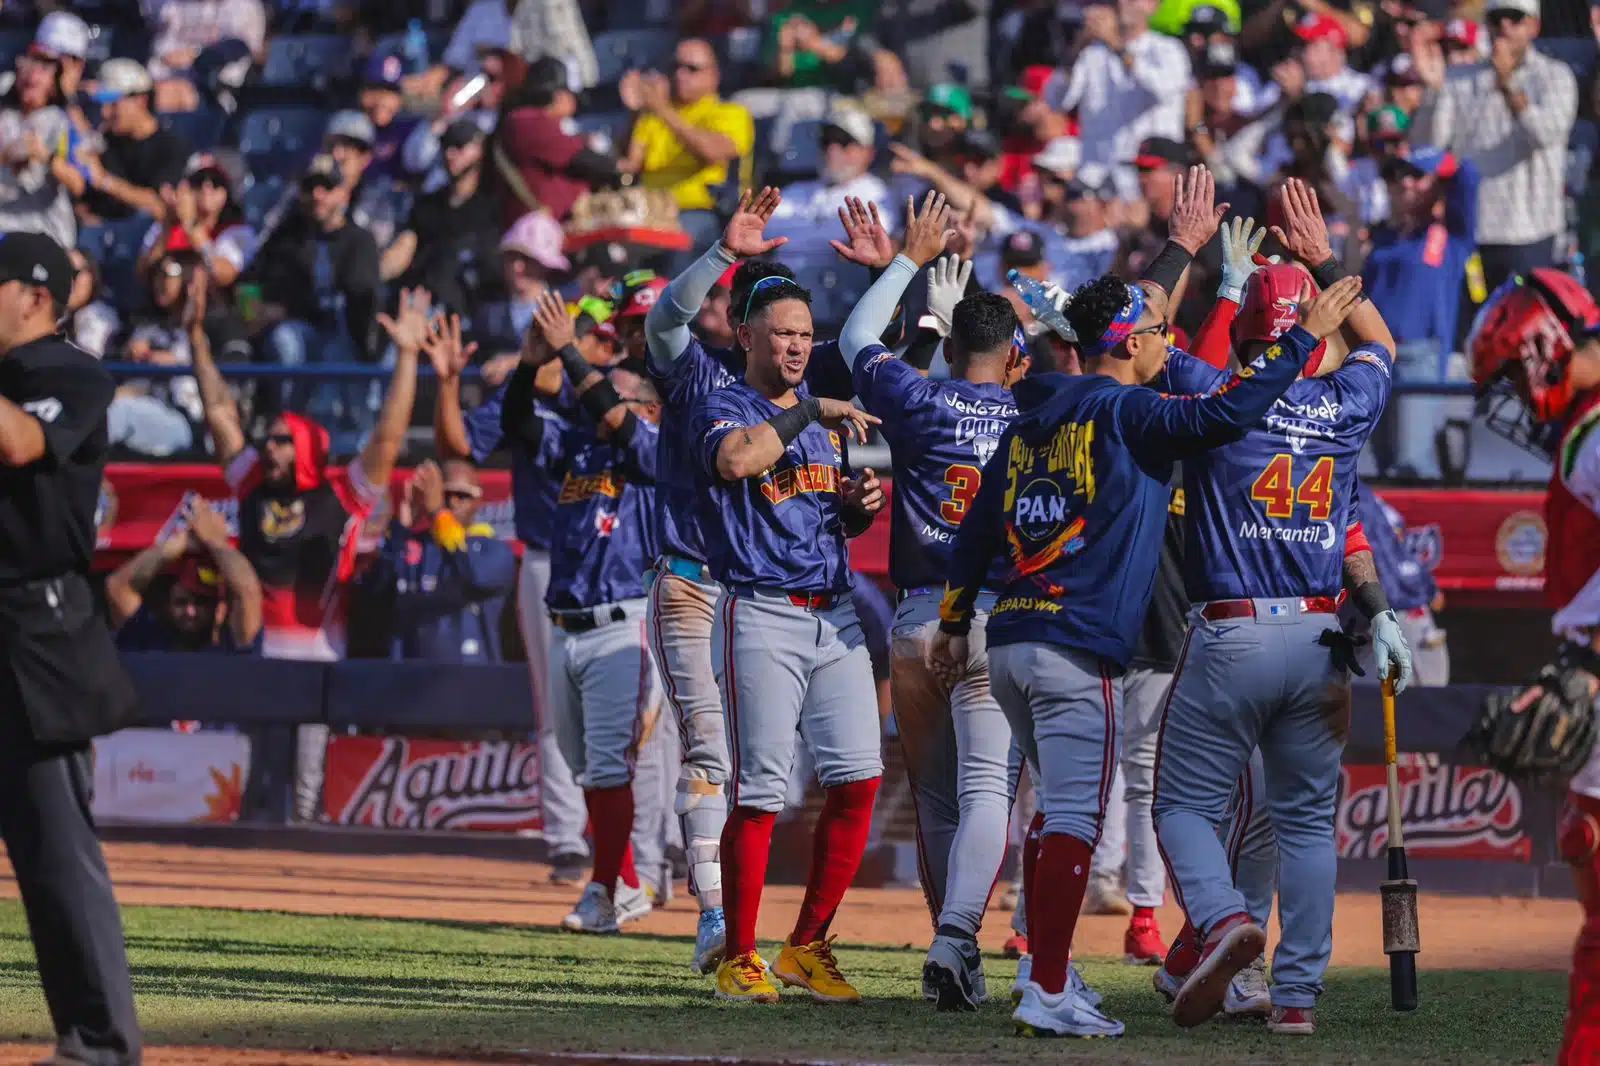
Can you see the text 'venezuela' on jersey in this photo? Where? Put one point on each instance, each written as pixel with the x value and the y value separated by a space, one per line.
pixel 1077 497
pixel 940 435
pixel 603 539
pixel 1267 514
pixel 694 375
pixel 784 528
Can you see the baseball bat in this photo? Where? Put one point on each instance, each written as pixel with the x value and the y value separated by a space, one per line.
pixel 1401 934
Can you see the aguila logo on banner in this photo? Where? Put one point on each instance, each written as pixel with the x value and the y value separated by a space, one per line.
pixel 398 783
pixel 1447 812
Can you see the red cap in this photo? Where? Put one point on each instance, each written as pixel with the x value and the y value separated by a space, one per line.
pixel 1321 27
pixel 726 281
pixel 1271 306
pixel 1462 33
pixel 1035 78
pixel 642 299
pixel 199 578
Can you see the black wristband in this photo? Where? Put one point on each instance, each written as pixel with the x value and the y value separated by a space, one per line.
pixel 1168 266
pixel 1326 273
pixel 599 398
pixel 956 629
pixel 573 362
pixel 1370 599
pixel 1581 657
pixel 788 424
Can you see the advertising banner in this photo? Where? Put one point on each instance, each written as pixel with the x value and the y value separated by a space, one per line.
pixel 401 783
pixel 1447 812
pixel 159 775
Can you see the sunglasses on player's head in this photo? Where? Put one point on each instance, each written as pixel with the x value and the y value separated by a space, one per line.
pixel 771 281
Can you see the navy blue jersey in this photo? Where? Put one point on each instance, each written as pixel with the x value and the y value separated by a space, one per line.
pixel 604 535
pixel 940 433
pixel 784 528
pixel 1405 578
pixel 1077 496
pixel 444 598
pixel 146 631
pixel 1267 514
pixel 695 374
pixel 492 425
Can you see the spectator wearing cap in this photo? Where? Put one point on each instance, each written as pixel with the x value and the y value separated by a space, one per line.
pixel 1215 114
pixel 139 157
pixel 442 577
pixel 1075 240
pixel 1386 139
pixel 38 180
pixel 531 257
pixel 472 98
pixel 525 30
pixel 829 44
pixel 641 290
pixel 156 418
pixel 194 40
pixel 203 216
pixel 1035 33
pixel 1211 36
pixel 686 138
pixel 600 268
pixel 1159 163
pixel 943 127
pixel 1414 275
pixel 378 204
pixel 1402 86
pixel 190 591
pixel 547 163
pixel 1128 83
pixel 1026 124
pixel 1510 115
pixel 1463 42
pixel 1324 56
pixel 318 273
pixel 382 100
pixel 1022 251
pixel 63 39
pixel 450 244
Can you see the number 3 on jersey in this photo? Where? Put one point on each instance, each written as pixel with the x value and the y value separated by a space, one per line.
pixel 963 481
pixel 1275 487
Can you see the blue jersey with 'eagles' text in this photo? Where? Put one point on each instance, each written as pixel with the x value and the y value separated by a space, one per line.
pixel 1267 514
pixel 1077 497
pixel 695 374
pixel 783 528
pixel 940 433
pixel 604 537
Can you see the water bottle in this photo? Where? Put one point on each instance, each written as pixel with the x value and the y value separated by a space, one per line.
pixel 415 48
pixel 1043 308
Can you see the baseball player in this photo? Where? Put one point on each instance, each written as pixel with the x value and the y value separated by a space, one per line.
pixel 941 434
pixel 1535 349
pixel 1411 588
pixel 1077 495
pixel 683 595
pixel 789 653
pixel 477 434
pixel 1265 662
pixel 604 695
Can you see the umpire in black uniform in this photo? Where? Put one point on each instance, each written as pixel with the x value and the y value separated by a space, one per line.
pixel 61 684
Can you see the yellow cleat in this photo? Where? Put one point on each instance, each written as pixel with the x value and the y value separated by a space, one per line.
pixel 744 980
pixel 813 967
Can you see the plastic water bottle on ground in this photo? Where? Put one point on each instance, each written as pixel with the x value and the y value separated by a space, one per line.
pixel 1043 308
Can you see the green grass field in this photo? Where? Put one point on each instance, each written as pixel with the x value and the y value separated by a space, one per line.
pixel 243 979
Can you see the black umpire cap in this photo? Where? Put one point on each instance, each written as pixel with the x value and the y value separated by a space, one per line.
pixel 37 260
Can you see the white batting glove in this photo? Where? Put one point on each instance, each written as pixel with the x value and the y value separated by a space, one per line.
pixel 947 284
pixel 1389 650
pixel 1239 248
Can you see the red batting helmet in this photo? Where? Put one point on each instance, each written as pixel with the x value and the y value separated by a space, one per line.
pixel 1271 306
pixel 1520 344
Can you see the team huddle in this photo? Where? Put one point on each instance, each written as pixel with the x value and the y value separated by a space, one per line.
pixel 1045 494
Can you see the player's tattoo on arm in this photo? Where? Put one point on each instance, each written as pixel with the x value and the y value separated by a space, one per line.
pixel 1361 581
pixel 1358 570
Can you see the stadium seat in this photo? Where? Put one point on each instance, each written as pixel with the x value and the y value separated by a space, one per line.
pixel 202 128
pixel 260 195
pixel 623 50
pixel 281 141
pixel 833 296
pixel 12 44
pixel 801 157
pixel 613 124
pixel 309 61
pixel 102 44
pixel 638 14
pixel 739 55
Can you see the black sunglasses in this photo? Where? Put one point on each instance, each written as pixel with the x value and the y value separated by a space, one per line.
pixel 692 68
pixel 1513 17
pixel 281 439
pixel 1160 328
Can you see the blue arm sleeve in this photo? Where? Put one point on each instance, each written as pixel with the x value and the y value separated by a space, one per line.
pixel 864 328
pixel 1165 429
pixel 978 541
pixel 1461 200
pixel 666 326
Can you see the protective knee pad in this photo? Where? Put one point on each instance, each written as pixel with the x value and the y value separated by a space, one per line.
pixel 702 806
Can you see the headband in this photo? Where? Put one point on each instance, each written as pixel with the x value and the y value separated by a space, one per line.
pixel 1121 325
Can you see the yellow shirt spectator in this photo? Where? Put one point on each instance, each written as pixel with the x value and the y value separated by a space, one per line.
pixel 668 164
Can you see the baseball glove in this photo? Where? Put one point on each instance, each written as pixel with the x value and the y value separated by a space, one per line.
pixel 1546 729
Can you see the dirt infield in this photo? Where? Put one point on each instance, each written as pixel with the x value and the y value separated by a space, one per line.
pixel 1457 932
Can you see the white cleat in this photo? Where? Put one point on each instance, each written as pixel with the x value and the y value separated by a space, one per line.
pixel 1248 995
pixel 1076 982
pixel 1166 984
pixel 631 904
pixel 1066 1013
pixel 954 974
pixel 1024 975
pixel 595 913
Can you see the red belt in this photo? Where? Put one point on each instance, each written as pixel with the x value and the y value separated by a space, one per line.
pixel 1217 610
pixel 818 601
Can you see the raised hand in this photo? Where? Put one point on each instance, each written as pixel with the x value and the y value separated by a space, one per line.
pixel 497 368
pixel 409 329
pixel 907 161
pixel 837 414
pixel 1324 313
pixel 428 484
pixel 631 89
pixel 1307 234
pixel 1241 241
pixel 929 231
pixel 550 318
pixel 947 284
pixel 869 243
pixel 865 492
pixel 745 235
pixel 445 349
pixel 205 524
pixel 1195 212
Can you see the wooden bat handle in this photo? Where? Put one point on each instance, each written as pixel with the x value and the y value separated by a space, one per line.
pixel 1396 835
